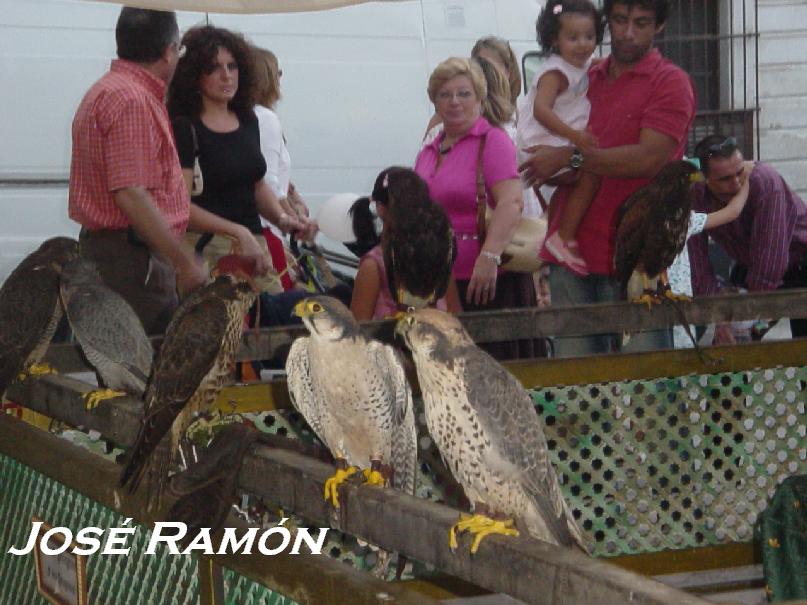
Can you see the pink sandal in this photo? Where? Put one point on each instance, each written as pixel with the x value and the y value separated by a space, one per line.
pixel 566 253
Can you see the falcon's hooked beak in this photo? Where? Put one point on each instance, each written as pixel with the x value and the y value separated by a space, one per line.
pixel 404 323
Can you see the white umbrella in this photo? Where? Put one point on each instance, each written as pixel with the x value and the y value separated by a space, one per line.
pixel 241 6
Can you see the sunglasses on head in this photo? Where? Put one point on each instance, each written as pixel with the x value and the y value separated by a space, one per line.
pixel 725 148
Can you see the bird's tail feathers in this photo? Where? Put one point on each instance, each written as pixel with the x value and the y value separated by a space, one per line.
pixel 153 467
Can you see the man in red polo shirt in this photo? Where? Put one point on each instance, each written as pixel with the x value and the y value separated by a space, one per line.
pixel 126 184
pixel 642 106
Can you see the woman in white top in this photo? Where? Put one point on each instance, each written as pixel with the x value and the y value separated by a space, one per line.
pixel 278 161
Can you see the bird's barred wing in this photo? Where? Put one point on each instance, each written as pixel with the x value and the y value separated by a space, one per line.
pixel 188 353
pixel 301 390
pixel 28 302
pixel 103 321
pixel 518 447
pixel 630 234
pixel 404 433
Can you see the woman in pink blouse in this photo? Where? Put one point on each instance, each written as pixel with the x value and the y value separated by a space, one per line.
pixel 448 164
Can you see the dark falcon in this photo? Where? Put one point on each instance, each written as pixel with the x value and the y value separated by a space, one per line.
pixel 194 362
pixel 419 251
pixel 485 425
pixel 30 309
pixel 110 333
pixel 652 228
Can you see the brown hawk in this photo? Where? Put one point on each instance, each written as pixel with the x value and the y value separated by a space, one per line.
pixel 108 330
pixel 194 362
pixel 30 308
pixel 652 228
pixel 485 425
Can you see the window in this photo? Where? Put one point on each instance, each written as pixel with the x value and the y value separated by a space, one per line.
pixel 715 41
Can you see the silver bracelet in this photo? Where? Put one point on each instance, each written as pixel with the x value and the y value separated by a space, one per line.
pixel 496 258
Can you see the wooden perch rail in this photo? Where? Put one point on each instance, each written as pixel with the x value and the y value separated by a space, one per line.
pixel 532 571
pixel 491 326
pixel 307 579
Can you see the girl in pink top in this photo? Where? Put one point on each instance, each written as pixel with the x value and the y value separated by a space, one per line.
pixel 555 111
pixel 411 267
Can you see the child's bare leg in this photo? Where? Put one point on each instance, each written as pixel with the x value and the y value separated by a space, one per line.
pixel 577 205
pixel 562 244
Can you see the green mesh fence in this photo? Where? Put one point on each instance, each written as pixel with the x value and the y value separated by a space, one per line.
pixel 160 579
pixel 649 465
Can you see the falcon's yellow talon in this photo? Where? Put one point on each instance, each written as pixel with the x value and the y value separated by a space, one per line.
pixel 93 398
pixel 647 299
pixel 373 478
pixel 333 483
pixel 480 526
pixel 504 528
pixel 38 369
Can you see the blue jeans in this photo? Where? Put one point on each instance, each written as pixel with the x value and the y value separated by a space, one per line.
pixel 568 289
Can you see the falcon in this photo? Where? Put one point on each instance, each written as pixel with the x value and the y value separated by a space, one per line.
pixel 30 309
pixel 488 433
pixel 353 392
pixel 195 361
pixel 108 330
pixel 652 229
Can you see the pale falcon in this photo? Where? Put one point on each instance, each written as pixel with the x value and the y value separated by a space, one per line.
pixel 353 392
pixel 485 425
pixel 195 361
pixel 109 331
pixel 30 309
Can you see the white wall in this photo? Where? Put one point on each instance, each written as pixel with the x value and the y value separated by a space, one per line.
pixel 783 89
pixel 354 90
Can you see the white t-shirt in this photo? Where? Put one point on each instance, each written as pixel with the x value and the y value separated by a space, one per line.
pixel 681 277
pixel 278 161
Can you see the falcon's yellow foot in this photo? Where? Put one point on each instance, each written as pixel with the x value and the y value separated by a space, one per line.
pixel 38 369
pixel 648 298
pixel 372 477
pixel 481 526
pixel 93 398
pixel 667 293
pixel 332 484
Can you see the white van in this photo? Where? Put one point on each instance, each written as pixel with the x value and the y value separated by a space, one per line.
pixel 354 86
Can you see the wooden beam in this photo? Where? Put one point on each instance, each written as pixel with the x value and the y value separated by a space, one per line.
pixel 308 579
pixel 507 324
pixel 612 367
pixel 60 396
pixel 527 569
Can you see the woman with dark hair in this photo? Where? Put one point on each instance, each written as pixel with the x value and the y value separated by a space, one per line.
pixel 210 101
pixel 411 267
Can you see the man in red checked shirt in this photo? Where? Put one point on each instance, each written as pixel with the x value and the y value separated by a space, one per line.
pixel 126 185
pixel 641 109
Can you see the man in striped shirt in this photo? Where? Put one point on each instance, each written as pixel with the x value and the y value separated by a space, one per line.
pixel 126 184
pixel 769 238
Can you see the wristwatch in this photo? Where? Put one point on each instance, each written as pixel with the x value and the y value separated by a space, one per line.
pixel 576 159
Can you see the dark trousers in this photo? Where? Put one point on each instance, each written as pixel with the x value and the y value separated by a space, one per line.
pixel 513 290
pixel 795 277
pixel 127 266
